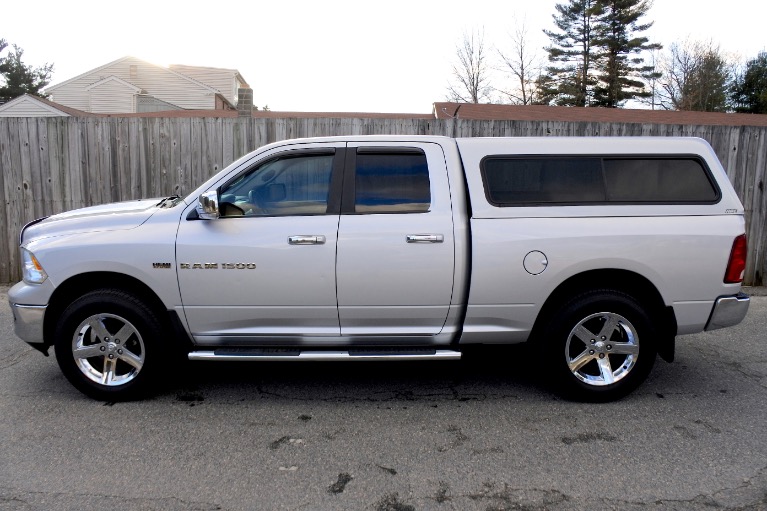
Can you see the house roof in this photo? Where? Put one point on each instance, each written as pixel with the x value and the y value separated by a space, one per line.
pixel 261 114
pixel 268 114
pixel 106 66
pixel 182 68
pixel 43 104
pixel 113 78
pixel 447 110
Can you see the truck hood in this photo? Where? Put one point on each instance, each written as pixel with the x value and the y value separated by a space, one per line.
pixel 107 217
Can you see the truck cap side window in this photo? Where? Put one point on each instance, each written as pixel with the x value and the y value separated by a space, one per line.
pixel 573 180
pixel 677 180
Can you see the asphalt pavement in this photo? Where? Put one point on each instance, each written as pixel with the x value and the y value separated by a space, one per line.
pixel 479 434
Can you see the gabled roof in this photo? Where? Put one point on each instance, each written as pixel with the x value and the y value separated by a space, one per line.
pixel 43 104
pixel 120 81
pixel 184 69
pixel 447 110
pixel 52 88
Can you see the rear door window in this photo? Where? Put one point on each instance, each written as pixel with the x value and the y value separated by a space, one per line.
pixel 391 182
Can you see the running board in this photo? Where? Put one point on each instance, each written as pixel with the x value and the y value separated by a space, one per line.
pixel 296 355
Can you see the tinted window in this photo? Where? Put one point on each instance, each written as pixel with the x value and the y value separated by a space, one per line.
pixel 592 179
pixel 544 180
pixel 392 183
pixel 296 185
pixel 657 180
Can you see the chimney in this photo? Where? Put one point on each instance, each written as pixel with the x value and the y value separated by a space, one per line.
pixel 244 101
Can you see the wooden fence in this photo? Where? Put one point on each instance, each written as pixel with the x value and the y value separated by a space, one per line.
pixel 49 165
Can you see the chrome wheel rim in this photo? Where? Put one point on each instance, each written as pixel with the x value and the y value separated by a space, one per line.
pixel 108 350
pixel 602 349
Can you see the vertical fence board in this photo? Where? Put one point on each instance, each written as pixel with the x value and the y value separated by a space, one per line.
pixel 227 141
pixel 34 178
pixel 134 159
pixel 92 163
pixel 757 228
pixel 26 194
pixel 122 157
pixel 174 174
pixel 45 179
pixel 184 163
pixel 54 158
pixel 9 242
pixel 76 161
pixel 17 213
pixel 197 166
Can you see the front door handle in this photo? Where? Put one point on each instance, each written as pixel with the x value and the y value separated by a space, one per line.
pixel 425 238
pixel 306 239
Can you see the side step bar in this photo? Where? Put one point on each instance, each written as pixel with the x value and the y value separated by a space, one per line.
pixel 296 355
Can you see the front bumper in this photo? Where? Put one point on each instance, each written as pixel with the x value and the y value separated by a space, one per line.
pixel 28 323
pixel 728 311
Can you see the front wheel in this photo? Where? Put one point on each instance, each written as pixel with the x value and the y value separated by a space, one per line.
pixel 599 346
pixel 107 345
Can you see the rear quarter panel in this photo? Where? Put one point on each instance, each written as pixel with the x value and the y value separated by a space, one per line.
pixel 681 249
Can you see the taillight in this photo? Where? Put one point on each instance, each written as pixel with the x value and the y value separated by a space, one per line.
pixel 736 266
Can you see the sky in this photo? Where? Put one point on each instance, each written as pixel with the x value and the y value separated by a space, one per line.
pixel 332 55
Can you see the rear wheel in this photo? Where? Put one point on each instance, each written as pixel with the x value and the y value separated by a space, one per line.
pixel 107 345
pixel 599 346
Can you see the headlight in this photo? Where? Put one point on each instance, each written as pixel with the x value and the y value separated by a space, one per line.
pixel 31 269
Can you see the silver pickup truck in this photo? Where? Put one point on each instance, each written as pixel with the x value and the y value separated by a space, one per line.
pixel 599 251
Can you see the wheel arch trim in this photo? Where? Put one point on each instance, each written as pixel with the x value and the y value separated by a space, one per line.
pixel 80 284
pixel 626 281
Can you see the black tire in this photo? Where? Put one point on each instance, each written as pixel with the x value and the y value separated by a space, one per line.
pixel 599 346
pixel 107 367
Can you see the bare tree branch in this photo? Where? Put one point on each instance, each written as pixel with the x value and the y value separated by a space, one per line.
pixel 523 64
pixel 696 76
pixel 470 72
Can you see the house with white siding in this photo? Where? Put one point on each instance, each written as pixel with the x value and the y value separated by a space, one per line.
pixel 131 85
pixel 226 81
pixel 28 105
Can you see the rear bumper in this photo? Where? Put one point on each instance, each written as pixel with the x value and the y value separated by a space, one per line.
pixel 728 311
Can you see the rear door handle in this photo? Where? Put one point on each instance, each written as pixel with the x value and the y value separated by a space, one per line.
pixel 306 239
pixel 425 238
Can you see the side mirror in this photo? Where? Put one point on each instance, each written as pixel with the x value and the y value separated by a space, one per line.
pixel 208 205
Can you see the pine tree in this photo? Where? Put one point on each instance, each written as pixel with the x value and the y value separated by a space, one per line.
pixel 749 92
pixel 621 68
pixel 595 54
pixel 571 53
pixel 17 78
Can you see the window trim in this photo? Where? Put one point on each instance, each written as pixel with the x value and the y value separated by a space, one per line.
pixel 602 157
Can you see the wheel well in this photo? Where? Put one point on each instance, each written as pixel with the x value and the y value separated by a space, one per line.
pixel 76 286
pixel 628 282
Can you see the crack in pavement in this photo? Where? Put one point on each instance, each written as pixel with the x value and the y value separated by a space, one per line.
pixel 396 395
pixel 751 375
pixel 15 358
pixel 750 495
